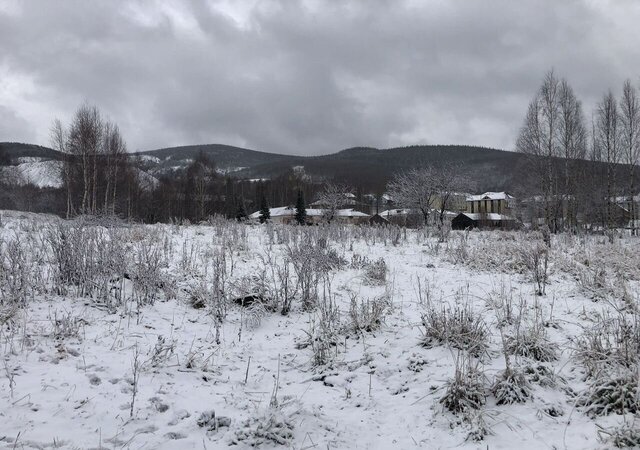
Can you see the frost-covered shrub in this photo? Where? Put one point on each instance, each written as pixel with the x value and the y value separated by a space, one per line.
pixel 592 280
pixel 311 261
pixel 15 273
pixel 532 342
pixel 162 351
pixel 367 315
pixel 465 391
pixel 617 395
pixel 534 254
pixel 376 271
pixel 66 326
pixel 456 326
pixel 624 436
pixel 275 425
pixel 146 274
pixel 541 374
pixel 511 386
pixel 612 343
pixel 323 336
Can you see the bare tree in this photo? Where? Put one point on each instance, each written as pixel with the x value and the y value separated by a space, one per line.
pixel 84 142
pixel 332 198
pixel 416 189
pixel 539 137
pixel 606 140
pixel 114 154
pixel 554 131
pixel 573 147
pixel 58 138
pixel 630 139
pixel 449 181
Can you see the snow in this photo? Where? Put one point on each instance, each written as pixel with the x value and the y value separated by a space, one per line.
pixel 381 391
pixel 396 212
pixel 487 216
pixel 490 196
pixel 42 174
pixel 290 211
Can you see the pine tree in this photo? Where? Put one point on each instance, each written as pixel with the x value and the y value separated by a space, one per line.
pixel 241 213
pixel 265 214
pixel 301 211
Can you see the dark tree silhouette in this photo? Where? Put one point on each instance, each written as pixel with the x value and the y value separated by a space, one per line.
pixel 301 210
pixel 265 214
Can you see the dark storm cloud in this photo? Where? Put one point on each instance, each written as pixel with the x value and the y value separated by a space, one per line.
pixel 309 77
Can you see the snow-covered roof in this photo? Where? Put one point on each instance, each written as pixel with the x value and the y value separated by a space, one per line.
pixel 624 199
pixel 487 216
pixel 284 211
pixel 490 196
pixel 396 212
pixel 350 213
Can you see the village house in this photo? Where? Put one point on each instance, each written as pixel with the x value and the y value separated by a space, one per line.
pixel 488 210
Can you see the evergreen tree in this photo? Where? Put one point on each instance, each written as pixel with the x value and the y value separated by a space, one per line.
pixel 265 214
pixel 301 211
pixel 241 213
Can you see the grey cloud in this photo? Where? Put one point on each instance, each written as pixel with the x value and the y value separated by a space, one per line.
pixel 309 78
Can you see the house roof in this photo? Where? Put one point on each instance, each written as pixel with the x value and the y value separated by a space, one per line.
pixel 490 196
pixel 487 216
pixel 285 211
pixel 395 212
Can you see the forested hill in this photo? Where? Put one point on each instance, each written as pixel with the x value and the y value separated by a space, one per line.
pixel 366 167
pixel 363 166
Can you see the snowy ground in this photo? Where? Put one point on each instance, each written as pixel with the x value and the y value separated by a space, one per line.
pixel 70 361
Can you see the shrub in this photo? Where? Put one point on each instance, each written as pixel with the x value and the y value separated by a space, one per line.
pixel 458 327
pixel 618 395
pixel 625 436
pixel 376 272
pixel 274 425
pixel 612 343
pixel 367 315
pixel 532 342
pixel 465 391
pixel 511 386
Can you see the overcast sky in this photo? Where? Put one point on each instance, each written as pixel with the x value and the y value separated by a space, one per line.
pixel 305 78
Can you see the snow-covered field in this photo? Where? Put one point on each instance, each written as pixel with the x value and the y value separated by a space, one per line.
pixel 130 337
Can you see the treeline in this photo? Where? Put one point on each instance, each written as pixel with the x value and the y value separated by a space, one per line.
pixel 559 139
pixel 101 178
pixel 199 191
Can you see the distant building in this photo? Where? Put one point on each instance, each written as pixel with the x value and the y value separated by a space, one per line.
pixel 466 220
pixel 378 203
pixel 488 210
pixel 490 202
pixel 377 219
pixel 403 217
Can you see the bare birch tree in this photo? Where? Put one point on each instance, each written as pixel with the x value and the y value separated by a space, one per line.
pixel 630 140
pixel 539 138
pixel 606 140
pixel 573 147
pixel 84 142
pixel 554 131
pixel 58 139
